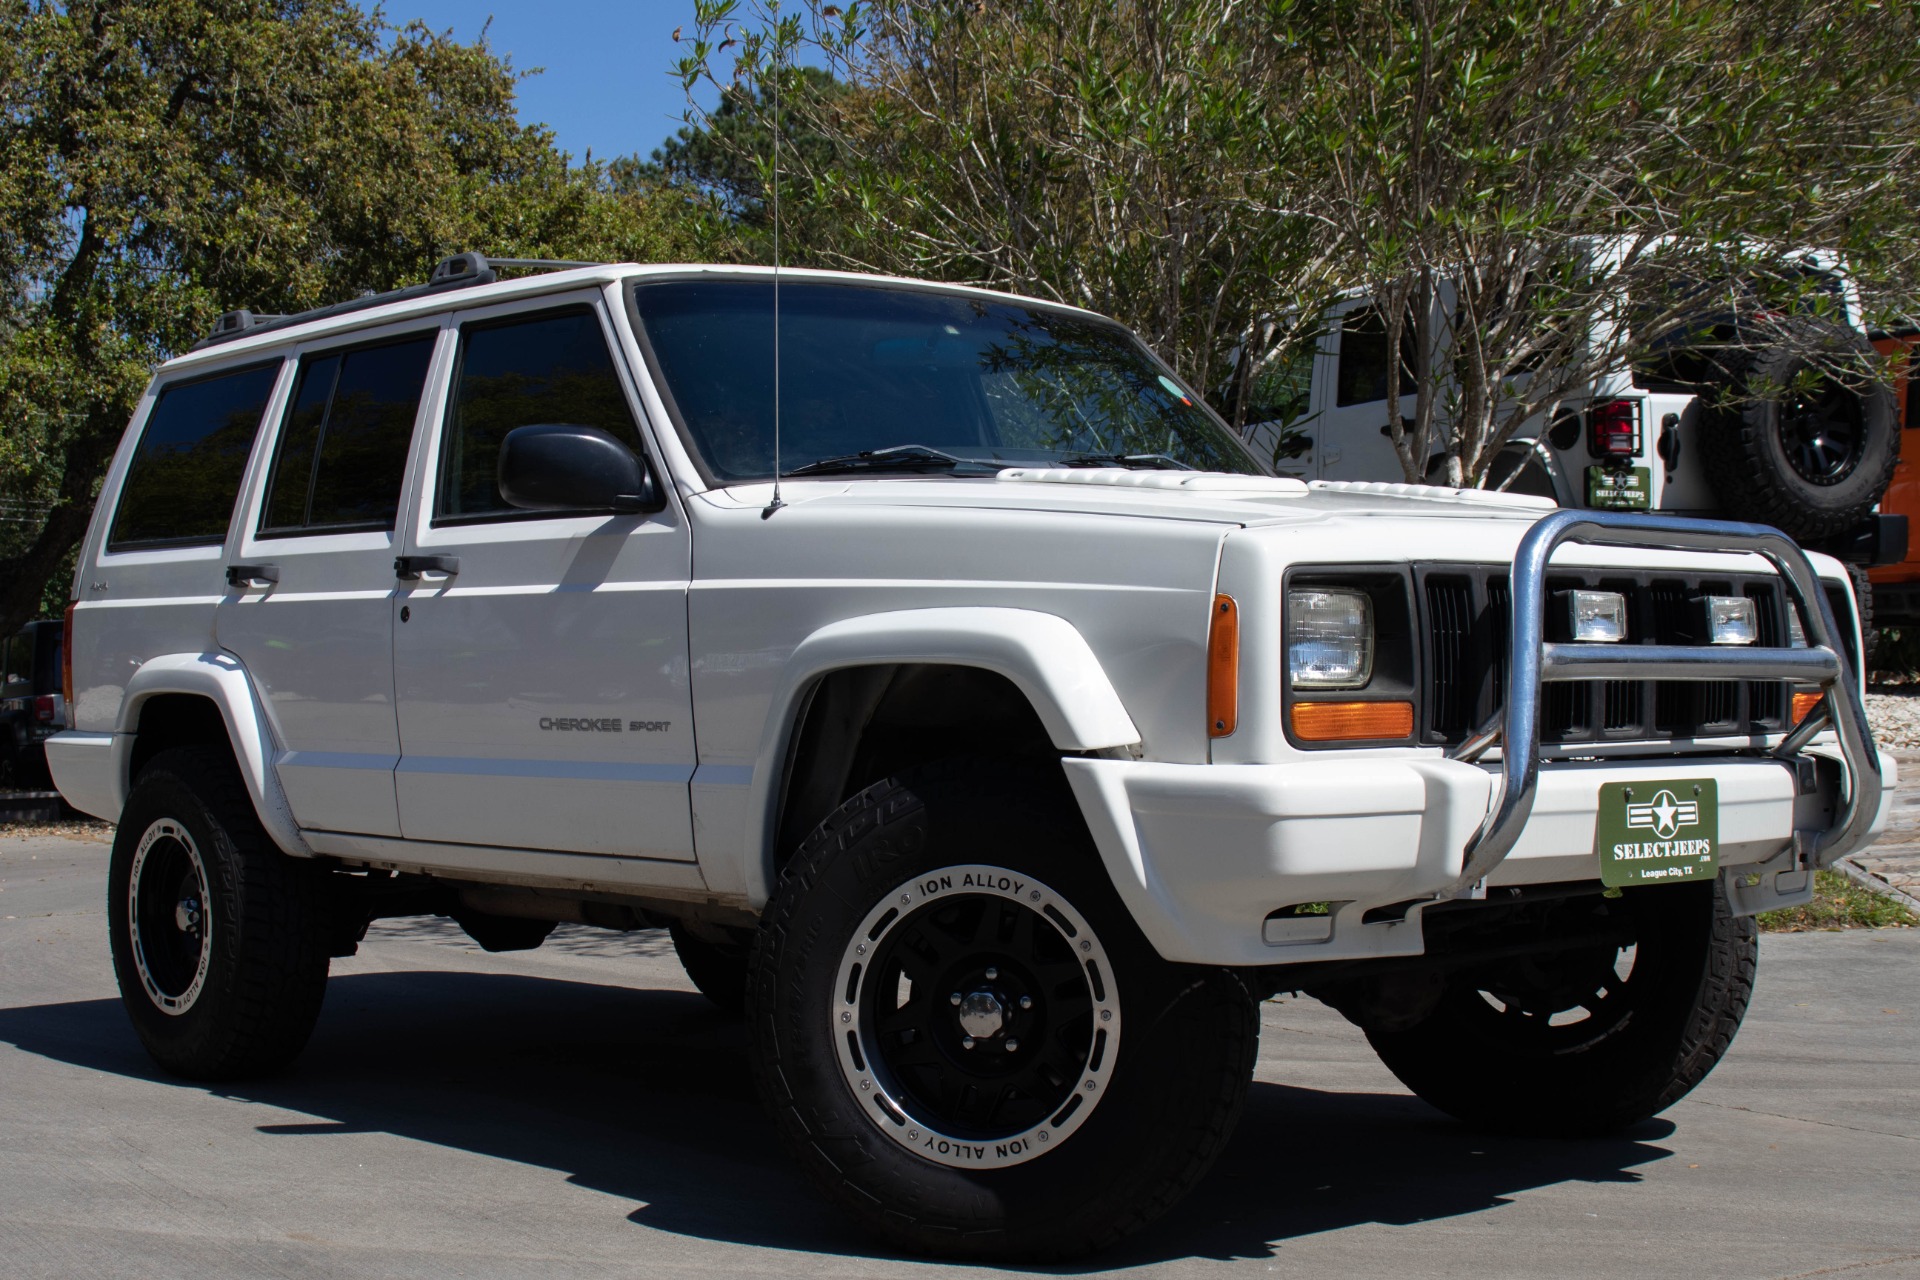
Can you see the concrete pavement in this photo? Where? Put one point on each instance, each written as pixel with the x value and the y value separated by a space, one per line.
pixel 579 1111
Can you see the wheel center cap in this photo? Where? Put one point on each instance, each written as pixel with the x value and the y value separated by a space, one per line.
pixel 981 1015
pixel 187 915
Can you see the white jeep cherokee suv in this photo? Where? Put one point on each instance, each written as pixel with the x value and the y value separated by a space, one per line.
pixel 995 761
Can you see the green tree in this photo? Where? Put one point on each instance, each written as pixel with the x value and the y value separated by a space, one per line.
pixel 162 161
pixel 724 154
pixel 1115 157
pixel 1581 180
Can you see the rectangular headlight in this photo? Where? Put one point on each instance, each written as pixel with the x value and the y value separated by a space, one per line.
pixel 1597 617
pixel 1731 620
pixel 1329 638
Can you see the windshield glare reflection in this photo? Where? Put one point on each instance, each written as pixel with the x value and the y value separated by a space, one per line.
pixel 867 368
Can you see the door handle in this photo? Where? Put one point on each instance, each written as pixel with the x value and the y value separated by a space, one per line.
pixel 413 567
pixel 252 576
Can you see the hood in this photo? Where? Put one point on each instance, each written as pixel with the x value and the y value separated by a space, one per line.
pixel 1210 497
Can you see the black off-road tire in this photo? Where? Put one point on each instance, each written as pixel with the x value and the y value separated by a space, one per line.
pixel 263 934
pixel 1646 1040
pixel 1185 1035
pixel 717 967
pixel 1863 602
pixel 1747 442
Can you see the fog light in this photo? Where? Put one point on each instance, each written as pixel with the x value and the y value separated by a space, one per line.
pixel 1598 617
pixel 1732 620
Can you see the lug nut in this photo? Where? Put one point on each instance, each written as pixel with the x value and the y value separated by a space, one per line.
pixel 1026 1002
pixel 966 1042
pixel 992 974
pixel 954 998
pixel 1013 1046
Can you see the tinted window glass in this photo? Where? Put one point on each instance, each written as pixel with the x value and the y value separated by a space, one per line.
pixel 1913 391
pixel 864 368
pixel 186 472
pixel 343 451
pixel 1363 358
pixel 551 368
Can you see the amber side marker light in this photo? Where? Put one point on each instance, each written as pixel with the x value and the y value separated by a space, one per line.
pixel 1223 668
pixel 1352 721
pixel 1803 705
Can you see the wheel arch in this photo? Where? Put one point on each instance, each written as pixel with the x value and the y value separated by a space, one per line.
pixel 1017 669
pixel 182 698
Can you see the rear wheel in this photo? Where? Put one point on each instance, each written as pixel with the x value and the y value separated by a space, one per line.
pixel 965 1039
pixel 1589 1040
pixel 218 937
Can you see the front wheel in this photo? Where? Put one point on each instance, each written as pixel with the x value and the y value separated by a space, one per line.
pixel 1590 1039
pixel 965 1039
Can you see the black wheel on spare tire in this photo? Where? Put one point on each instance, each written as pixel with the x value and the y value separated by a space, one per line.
pixel 1587 1041
pixel 715 959
pixel 1804 439
pixel 965 1039
pixel 219 939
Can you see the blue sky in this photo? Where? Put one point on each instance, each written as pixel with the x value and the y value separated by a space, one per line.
pixel 606 85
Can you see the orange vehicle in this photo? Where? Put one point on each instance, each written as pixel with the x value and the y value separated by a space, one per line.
pixel 1896 586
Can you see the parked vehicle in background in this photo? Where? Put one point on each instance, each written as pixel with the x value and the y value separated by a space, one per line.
pixel 1896 583
pixel 996 739
pixel 32 705
pixel 1782 424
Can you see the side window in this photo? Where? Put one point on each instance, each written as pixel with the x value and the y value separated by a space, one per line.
pixel 185 473
pixel 342 454
pixel 1363 358
pixel 1912 422
pixel 553 367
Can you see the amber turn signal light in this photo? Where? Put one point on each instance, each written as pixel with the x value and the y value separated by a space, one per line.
pixel 1352 721
pixel 1803 705
pixel 1223 668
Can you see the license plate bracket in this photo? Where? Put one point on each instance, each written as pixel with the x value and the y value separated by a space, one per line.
pixel 1663 831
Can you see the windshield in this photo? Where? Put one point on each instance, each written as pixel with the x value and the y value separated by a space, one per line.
pixel 866 368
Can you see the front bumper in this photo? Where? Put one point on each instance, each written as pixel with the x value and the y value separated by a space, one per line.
pixel 1284 863
pixel 1203 855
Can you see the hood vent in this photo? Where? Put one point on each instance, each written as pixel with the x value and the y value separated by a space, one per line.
pixel 1208 482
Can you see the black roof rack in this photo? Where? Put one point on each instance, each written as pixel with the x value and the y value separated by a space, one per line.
pixel 458 272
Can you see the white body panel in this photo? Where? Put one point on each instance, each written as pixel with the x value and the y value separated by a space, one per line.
pixel 703 629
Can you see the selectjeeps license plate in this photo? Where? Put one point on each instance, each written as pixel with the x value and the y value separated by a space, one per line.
pixel 1657 832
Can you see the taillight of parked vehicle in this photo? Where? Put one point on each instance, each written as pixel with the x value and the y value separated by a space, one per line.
pixel 1613 429
pixel 66 658
pixel 44 708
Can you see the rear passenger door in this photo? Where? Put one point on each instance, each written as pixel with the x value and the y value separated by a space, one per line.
pixel 310 606
pixel 541 657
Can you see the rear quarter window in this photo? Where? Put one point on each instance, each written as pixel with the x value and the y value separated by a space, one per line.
pixel 185 473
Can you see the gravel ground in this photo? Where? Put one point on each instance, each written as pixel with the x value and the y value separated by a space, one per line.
pixel 1893 712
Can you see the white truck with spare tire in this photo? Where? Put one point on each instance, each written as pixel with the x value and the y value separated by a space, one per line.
pixel 996 733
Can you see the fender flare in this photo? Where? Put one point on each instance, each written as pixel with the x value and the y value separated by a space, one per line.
pixel 223 681
pixel 1043 655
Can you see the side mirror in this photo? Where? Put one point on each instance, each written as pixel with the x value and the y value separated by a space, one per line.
pixel 559 467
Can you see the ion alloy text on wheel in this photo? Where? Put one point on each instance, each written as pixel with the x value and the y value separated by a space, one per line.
pixel 977 1014
pixel 170 916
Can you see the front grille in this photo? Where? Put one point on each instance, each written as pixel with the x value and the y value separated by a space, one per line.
pixel 1466 618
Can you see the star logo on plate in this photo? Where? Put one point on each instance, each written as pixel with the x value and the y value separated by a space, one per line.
pixel 1665 814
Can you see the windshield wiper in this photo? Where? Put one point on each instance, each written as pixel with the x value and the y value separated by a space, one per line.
pixel 900 457
pixel 1131 461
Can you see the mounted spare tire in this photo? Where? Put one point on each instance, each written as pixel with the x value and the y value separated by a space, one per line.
pixel 1800 440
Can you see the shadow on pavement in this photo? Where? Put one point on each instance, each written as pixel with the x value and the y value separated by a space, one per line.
pixel 645 1095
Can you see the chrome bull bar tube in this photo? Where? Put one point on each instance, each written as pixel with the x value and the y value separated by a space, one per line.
pixel 1532 662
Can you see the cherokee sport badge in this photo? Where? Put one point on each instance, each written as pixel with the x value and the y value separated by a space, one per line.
pixel 1657 832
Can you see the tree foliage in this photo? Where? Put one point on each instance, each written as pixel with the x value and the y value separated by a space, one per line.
pixel 167 160
pixel 1550 190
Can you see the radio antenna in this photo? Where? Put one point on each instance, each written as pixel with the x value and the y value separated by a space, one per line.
pixel 776 504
